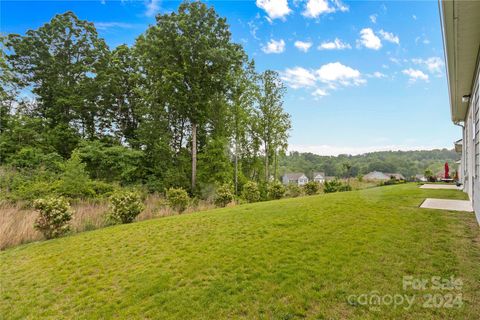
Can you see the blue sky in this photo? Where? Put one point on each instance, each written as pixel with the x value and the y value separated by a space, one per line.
pixel 361 75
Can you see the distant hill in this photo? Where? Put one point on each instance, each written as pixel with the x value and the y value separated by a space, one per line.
pixel 407 163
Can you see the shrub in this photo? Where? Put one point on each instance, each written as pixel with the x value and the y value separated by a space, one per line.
pixel 178 199
pixel 294 190
pixel 331 186
pixel 311 188
pixel 336 186
pixel 223 195
pixel 55 215
pixel 276 190
pixel 250 192
pixel 344 187
pixel 101 188
pixel 392 182
pixel 74 182
pixel 33 190
pixel 30 158
pixel 125 206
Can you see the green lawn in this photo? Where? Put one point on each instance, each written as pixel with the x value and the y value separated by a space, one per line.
pixel 287 259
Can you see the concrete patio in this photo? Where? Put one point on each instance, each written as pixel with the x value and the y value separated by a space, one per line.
pixel 444 204
pixel 439 186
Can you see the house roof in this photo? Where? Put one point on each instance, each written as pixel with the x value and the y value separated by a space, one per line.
pixel 294 175
pixel 461 36
pixel 376 175
pixel 398 176
pixel 315 174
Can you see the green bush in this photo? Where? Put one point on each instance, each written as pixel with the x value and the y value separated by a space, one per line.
pixel 223 195
pixel 250 192
pixel 125 206
pixel 178 199
pixel 101 188
pixel 276 190
pixel 74 182
pixel 54 216
pixel 331 186
pixel 110 163
pixel 33 190
pixel 311 188
pixel 345 187
pixel 293 190
pixel 392 182
pixel 336 186
pixel 31 158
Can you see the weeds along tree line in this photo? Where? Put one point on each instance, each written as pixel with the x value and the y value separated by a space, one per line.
pixel 182 107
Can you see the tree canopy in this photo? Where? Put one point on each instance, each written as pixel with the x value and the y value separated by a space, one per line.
pixel 182 107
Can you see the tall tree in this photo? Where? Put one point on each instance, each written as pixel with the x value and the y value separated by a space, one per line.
pixel 123 94
pixel 196 56
pixel 243 93
pixel 273 121
pixel 61 61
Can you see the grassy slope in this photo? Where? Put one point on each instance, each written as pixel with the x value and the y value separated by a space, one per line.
pixel 293 258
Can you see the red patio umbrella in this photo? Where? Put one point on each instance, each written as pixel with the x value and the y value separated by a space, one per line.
pixel 447 171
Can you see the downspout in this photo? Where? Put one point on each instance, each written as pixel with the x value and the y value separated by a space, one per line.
pixel 463 159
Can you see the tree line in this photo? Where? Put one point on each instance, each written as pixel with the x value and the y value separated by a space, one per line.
pixel 183 106
pixel 408 163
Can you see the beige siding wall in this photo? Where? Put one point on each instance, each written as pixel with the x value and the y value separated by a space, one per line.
pixel 471 148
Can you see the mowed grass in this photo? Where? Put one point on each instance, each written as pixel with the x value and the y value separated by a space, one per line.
pixel 288 259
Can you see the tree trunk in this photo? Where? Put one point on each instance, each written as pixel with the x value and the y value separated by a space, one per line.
pixel 236 167
pixel 194 155
pixel 275 165
pixel 266 162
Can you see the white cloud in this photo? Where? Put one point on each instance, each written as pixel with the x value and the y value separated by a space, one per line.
pixel 315 8
pixel 318 93
pixel 377 74
pixel 335 150
pixel 336 73
pixel 433 64
pixel 298 77
pixel 369 39
pixel 373 18
pixel 253 29
pixel 303 46
pixel 415 75
pixel 275 9
pixel 274 46
pixel 337 44
pixel 341 6
pixel 153 6
pixel 108 25
pixel 388 36
pixel 414 17
pixel 394 60
pixel 328 77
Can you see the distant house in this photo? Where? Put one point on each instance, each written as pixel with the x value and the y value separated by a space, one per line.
pixel 319 177
pixel 421 178
pixel 397 176
pixel 297 178
pixel 376 175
